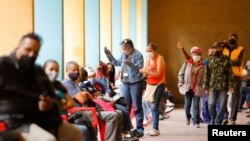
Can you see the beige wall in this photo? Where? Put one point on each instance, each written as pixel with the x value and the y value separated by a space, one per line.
pixel 16 18
pixel 195 23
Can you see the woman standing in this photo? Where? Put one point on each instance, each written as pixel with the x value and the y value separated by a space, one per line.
pixel 190 84
pixel 154 70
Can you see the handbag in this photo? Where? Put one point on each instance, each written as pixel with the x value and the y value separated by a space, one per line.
pixel 150 93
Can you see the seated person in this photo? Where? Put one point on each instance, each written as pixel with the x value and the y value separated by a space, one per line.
pixel 113 120
pixel 35 112
pixel 85 84
pixel 51 68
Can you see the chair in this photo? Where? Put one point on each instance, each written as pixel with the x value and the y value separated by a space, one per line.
pixel 3 126
pixel 95 121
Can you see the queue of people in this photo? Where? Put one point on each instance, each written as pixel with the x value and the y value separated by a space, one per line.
pixel 41 101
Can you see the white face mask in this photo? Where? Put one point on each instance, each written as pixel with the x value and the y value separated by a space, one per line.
pixel 150 54
pixel 196 58
pixel 52 75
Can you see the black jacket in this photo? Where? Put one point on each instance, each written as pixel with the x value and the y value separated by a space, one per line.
pixel 19 93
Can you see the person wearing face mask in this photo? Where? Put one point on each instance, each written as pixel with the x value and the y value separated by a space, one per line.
pixel 217 82
pixel 190 85
pixel 131 62
pixel 83 97
pixel 155 70
pixel 236 54
pixel 28 102
pixel 51 68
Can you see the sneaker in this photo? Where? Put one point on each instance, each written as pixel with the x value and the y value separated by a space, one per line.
pixel 169 109
pixel 161 117
pixel 170 104
pixel 139 134
pixel 197 126
pixel 231 122
pixel 188 121
pixel 247 111
pixel 225 122
pixel 154 132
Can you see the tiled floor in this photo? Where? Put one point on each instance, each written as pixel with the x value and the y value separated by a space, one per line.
pixel 175 129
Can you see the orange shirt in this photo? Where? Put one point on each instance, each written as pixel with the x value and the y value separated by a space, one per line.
pixel 156 80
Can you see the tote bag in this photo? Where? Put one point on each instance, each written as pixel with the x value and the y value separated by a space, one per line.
pixel 150 93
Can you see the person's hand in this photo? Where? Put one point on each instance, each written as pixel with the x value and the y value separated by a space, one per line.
pixel 96 94
pixel 206 92
pixel 179 45
pixel 107 51
pixel 45 103
pixel 143 70
pixel 128 62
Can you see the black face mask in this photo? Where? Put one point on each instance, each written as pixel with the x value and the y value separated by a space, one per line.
pixel 218 53
pixel 73 76
pixel 232 41
pixel 26 62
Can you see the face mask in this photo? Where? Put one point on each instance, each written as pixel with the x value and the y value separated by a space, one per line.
pixel 150 54
pixel 52 75
pixel 73 76
pixel 196 58
pixel 218 53
pixel 125 52
pixel 27 62
pixel 232 41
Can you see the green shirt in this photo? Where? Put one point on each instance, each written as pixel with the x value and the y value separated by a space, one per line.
pixel 218 74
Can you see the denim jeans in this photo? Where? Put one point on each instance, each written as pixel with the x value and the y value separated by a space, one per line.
pixel 215 96
pixel 156 104
pixel 235 99
pixel 189 97
pixel 85 132
pixel 127 125
pixel 204 110
pixel 132 93
pixel 146 108
pixel 245 96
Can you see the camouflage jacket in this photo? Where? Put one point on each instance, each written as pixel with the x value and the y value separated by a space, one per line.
pixel 218 73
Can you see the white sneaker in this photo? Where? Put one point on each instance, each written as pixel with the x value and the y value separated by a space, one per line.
pixel 169 103
pixel 169 109
pixel 154 132
pixel 197 126
pixel 247 111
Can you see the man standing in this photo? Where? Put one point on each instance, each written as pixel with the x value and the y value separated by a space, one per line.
pixel 131 62
pixel 236 54
pixel 218 81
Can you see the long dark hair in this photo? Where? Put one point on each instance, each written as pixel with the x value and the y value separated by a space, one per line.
pixel 112 74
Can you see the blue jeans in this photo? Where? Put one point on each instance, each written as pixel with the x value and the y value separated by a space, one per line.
pixel 189 97
pixel 245 96
pixel 204 110
pixel 133 95
pixel 235 99
pixel 85 132
pixel 156 104
pixel 127 125
pixel 146 108
pixel 215 96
